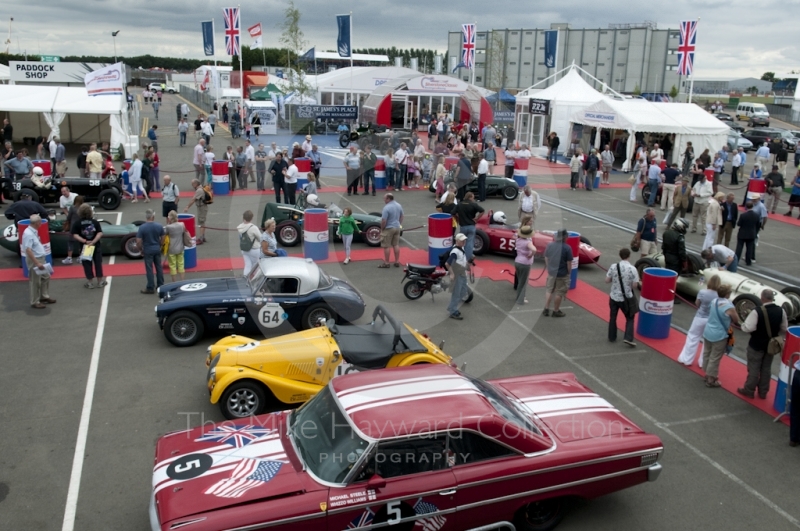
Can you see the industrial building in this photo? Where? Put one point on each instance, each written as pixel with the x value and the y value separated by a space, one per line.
pixel 726 86
pixel 624 56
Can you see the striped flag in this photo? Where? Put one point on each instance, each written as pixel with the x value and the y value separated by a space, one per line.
pixel 468 45
pixel 686 47
pixel 434 522
pixel 248 474
pixel 231 16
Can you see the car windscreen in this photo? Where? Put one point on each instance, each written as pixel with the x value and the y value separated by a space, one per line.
pixel 328 446
pixel 325 280
pixel 507 408
pixel 255 279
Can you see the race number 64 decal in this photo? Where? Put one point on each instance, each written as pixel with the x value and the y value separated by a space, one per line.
pixel 271 316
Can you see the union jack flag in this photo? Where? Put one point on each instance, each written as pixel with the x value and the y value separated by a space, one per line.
pixel 363 520
pixel 435 522
pixel 248 474
pixel 231 16
pixel 686 47
pixel 235 435
pixel 468 45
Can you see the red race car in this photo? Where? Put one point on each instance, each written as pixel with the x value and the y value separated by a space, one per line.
pixel 425 446
pixel 494 235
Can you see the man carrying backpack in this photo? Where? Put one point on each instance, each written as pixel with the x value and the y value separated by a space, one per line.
pixel 249 242
pixel 201 200
pixel 767 326
pixel 590 167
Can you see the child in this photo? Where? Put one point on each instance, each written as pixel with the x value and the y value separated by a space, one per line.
pixel 347 226
pixel 427 166
pixel 439 181
pixel 412 169
pixel 247 130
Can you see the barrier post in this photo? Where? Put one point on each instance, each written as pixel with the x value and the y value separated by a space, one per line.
pixel 756 186
pixel 790 349
pixel 440 235
pixel 303 167
pixel 220 178
pixel 521 171
pixel 449 162
pixel 574 242
pixel 44 237
pixel 44 165
pixel 655 302
pixel 380 174
pixel 709 173
pixel 315 234
pixel 189 252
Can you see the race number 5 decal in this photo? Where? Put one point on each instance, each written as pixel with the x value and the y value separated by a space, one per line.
pixel 189 466
pixel 393 512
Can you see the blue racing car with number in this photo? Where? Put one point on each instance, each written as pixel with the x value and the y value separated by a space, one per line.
pixel 279 296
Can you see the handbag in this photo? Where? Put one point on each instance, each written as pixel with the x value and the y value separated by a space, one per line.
pixel 731 339
pixel 775 345
pixel 187 238
pixel 631 304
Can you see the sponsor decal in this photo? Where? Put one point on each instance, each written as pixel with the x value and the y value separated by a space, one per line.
pixel 320 362
pixel 323 506
pixel 194 286
pixel 600 117
pixel 315 237
pixel 226 326
pixel 659 308
pixel 237 435
pixel 241 320
pixel 105 77
pixel 216 312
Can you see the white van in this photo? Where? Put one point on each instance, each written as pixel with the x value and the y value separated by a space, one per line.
pixel 754 113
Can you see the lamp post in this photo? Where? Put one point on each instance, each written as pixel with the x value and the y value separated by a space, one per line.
pixel 114 37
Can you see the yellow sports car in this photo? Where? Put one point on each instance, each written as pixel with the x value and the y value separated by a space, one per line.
pixel 249 377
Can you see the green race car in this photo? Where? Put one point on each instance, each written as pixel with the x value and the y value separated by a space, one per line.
pixel 289 223
pixel 117 239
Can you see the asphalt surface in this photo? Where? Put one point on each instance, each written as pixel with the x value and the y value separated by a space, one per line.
pixel 726 464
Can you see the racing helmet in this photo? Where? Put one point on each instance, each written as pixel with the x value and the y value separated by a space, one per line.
pixel 499 217
pixel 680 225
pixel 38 172
pixel 312 199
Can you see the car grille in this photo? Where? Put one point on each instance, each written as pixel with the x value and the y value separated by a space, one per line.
pixel 649 459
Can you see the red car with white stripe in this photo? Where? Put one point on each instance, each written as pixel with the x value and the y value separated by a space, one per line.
pixel 423 448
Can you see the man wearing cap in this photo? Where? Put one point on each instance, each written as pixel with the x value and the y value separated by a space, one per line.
pixel 680 201
pixel 307 144
pixel 775 184
pixel 713 219
pixel 458 266
pixel 730 214
pixel 38 276
pixel 762 155
pixel 24 208
pixel 702 192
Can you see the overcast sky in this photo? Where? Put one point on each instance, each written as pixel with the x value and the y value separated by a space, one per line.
pixel 735 38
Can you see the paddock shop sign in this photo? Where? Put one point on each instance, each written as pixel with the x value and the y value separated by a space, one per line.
pixel 36 72
pixel 341 112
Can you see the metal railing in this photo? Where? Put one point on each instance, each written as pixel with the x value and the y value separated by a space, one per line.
pixel 201 99
pixel 784 114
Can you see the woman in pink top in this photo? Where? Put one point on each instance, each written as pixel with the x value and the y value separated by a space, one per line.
pixel 522 263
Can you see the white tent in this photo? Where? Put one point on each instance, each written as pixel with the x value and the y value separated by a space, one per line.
pixel 87 118
pixel 568 95
pixel 5 74
pixel 687 121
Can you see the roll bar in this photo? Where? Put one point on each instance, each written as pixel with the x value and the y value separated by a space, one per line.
pixel 385 316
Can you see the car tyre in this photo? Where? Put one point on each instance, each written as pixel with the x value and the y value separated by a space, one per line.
pixel 130 248
pixel 644 263
pixel 288 233
pixel 243 399
pixel 109 199
pixel 30 192
pixel 793 294
pixel 413 290
pixel 744 304
pixel 183 328
pixel 315 312
pixel 542 515
pixel 481 244
pixel 372 235
pixel 344 140
pixel 510 193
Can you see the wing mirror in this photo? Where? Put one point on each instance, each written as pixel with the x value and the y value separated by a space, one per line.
pixel 376 482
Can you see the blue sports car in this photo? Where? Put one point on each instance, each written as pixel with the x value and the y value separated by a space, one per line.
pixel 279 296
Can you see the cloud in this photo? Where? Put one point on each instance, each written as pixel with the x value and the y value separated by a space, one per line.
pixel 728 46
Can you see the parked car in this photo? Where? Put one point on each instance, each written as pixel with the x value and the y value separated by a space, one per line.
pixel 788 139
pixel 729 121
pixel 746 292
pixel 760 135
pixel 424 447
pixel 496 185
pixel 280 295
pixel 753 113
pixel 289 222
pixel 247 377
pixel 107 192
pixel 166 88
pixel 494 235
pixel 117 239
pixel 736 140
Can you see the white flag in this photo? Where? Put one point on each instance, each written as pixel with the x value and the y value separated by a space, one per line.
pixel 255 33
pixel 105 82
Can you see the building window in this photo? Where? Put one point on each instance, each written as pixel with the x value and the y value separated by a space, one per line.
pixel 513 47
pixel 528 33
pixel 512 62
pixel 671 52
pixel 671 68
pixel 601 64
pixel 466 79
pixel 539 78
pixel 622 48
pixel 674 35
pixel 541 63
pixel 527 47
pixel 602 48
pixel 514 33
pixel 586 64
pixel 478 79
pixel 527 63
pixel 541 47
pixel 620 64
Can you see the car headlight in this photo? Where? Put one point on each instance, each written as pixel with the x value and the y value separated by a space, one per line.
pixel 212 369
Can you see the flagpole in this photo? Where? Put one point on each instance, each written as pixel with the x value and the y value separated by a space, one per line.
pixel 691 83
pixel 351 58
pixel 216 72
pixel 241 74
pixel 475 53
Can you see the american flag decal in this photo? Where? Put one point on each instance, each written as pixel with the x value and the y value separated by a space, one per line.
pixel 468 45
pixel 686 47
pixel 432 523
pixel 235 435
pixel 231 16
pixel 250 473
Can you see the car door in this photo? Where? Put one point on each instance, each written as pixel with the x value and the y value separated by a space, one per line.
pixel 270 309
pixel 419 490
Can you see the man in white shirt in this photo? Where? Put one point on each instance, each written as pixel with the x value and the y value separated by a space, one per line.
pixel 657 154
pixel 38 276
pixel 724 257
pixel 524 152
pixel 419 150
pixel 762 155
pixel 206 131
pixel 607 160
pixel 250 153
pixel 307 144
pixel 401 160
pixel 623 277
pixel 702 192
pixel 290 182
pixel 185 110
pixel 510 155
pixel 736 164
pixel 483 171
pixel 199 161
pixel 66 200
pixel 53 146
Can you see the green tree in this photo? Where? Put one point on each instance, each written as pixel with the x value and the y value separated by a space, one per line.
pixel 636 90
pixel 673 92
pixel 293 39
pixel 769 76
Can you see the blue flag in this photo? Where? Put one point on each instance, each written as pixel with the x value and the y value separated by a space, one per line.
pixel 550 48
pixel 343 41
pixel 208 37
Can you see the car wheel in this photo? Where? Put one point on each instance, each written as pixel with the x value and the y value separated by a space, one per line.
pixel 384 146
pixel 542 515
pixel 793 294
pixel 130 248
pixel 510 193
pixel 744 304
pixel 184 328
pixel 481 243
pixel 344 140
pixel 696 263
pixel 315 312
pixel 470 295
pixel 585 240
pixel 372 235
pixel 644 263
pixel 112 177
pixel 109 199
pixel 243 399
pixel 413 290
pixel 33 194
pixel 646 194
pixel 288 233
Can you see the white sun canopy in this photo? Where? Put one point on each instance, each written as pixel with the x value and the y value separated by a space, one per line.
pixel 687 121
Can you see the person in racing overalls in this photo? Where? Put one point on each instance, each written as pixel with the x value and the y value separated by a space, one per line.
pixel 674 246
